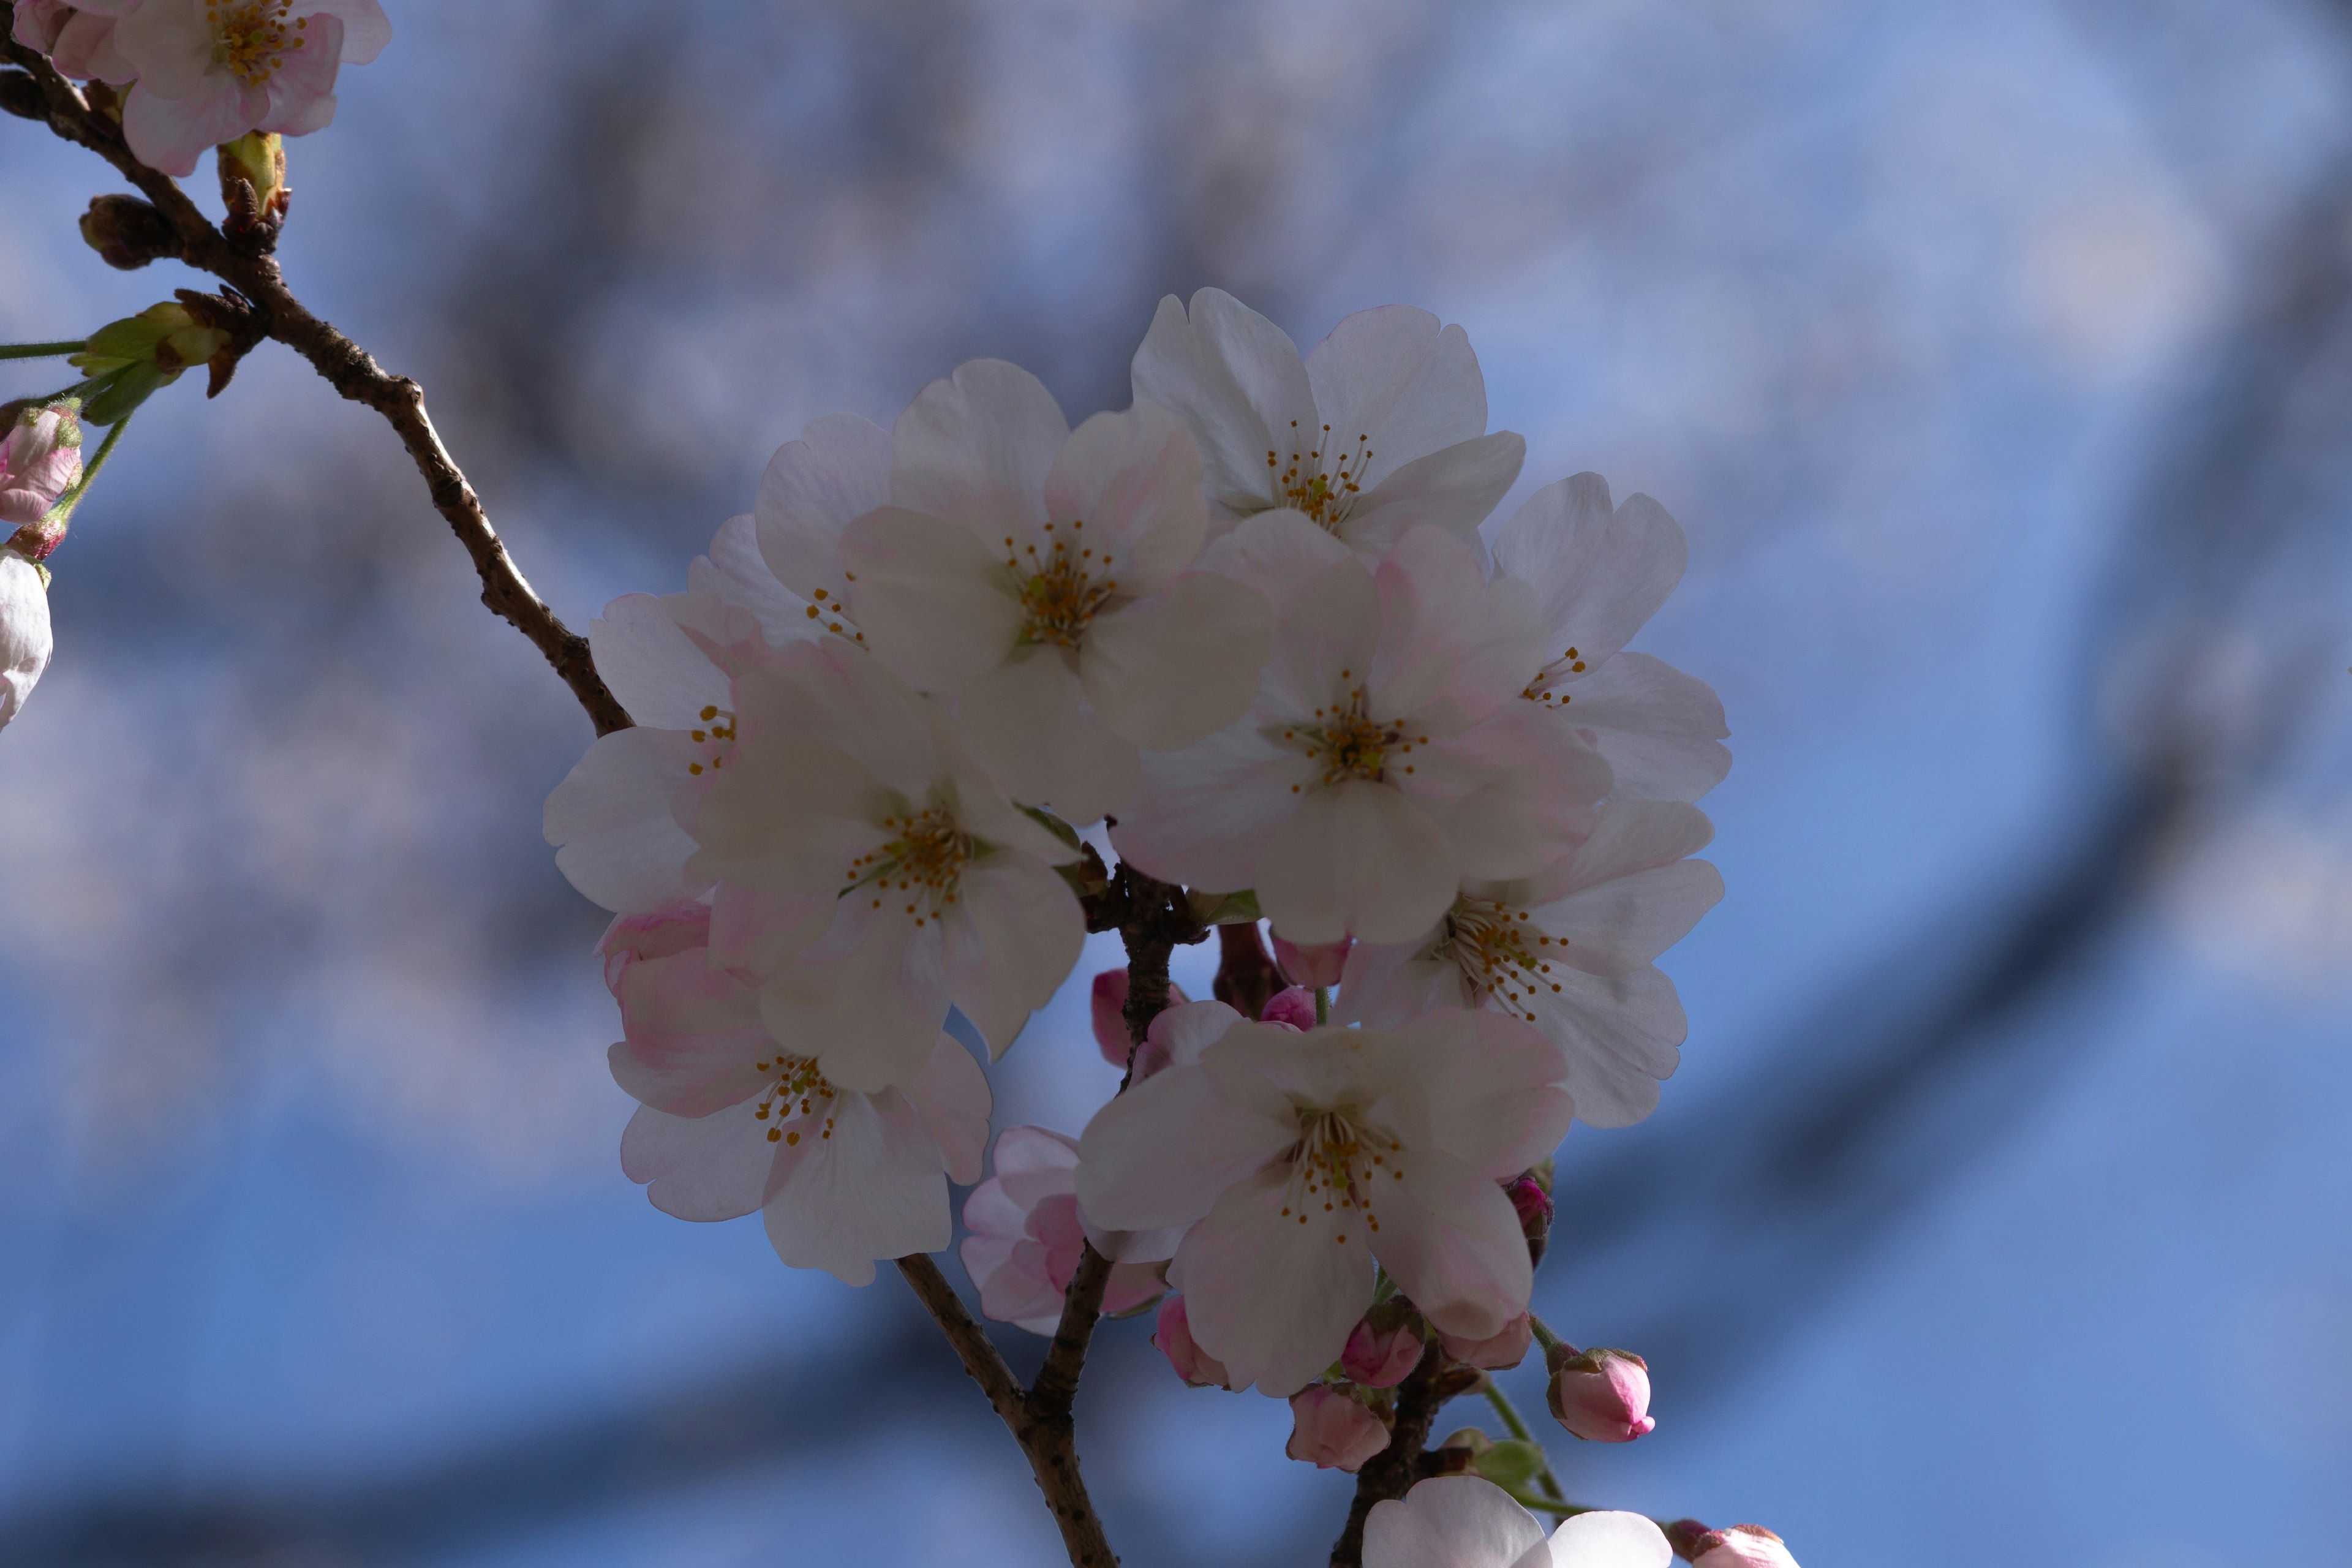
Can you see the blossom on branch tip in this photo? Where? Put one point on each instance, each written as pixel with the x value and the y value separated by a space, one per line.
pixel 1041 577
pixel 1387 757
pixel 40 460
pixel 1332 1429
pixel 1602 1395
pixel 1294 1161
pixel 1380 428
pixel 79 37
pixel 1464 1521
pixel 1027 1236
pixel 211 70
pixel 731 1121
pixel 26 639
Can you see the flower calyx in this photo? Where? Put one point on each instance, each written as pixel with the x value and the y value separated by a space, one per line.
pixel 253 187
pixel 128 361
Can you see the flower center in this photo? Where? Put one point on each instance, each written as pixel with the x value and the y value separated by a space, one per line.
pixel 799 1093
pixel 1545 686
pixel 1335 1164
pixel 921 862
pixel 714 742
pixel 1058 586
pixel 1350 743
pixel 1499 951
pixel 251 41
pixel 1321 482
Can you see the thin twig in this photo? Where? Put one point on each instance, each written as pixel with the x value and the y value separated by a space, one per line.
pixel 1389 1473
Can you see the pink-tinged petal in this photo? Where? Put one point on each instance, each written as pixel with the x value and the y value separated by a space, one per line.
pixel 869 1190
pixel 1498 1352
pixel 40 22
pixel 1621 1034
pixel 936 604
pixel 737 574
pixel 656 671
pixel 170 45
pixel 1456 646
pixel 699 1167
pixel 1182 1032
pixel 975 448
pixel 1357 857
pixel 1011 1290
pixel 1204 813
pixel 1381 1360
pixel 1328 643
pixel 1293 1008
pixel 1333 1430
pixel 1502 1118
pixel 1106 1006
pixel 1385 986
pixel 301 93
pixel 85 50
pixel 1270 1291
pixel 1135 1286
pixel 814 488
pixel 1453 1242
pixel 1172 1333
pixel 1600 572
pixel 1280 553
pixel 1017 939
pixel 1662 730
pixel 751 928
pixel 1127 486
pixel 1312 963
pixel 1163 1153
pixel 1741 1546
pixel 170 135
pixel 366 29
pixel 1634 836
pixel 1166 671
pixel 870 1017
pixel 1236 380
pixel 611 820
pixel 1028 722
pixel 1602 1395
pixel 1453 1521
pixel 1624 923
pixel 952 1101
pixel 1453 489
pixel 1512 794
pixel 1401 381
pixel 1609 1540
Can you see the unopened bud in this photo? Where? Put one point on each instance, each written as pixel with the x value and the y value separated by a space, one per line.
pixel 1332 1429
pixel 253 182
pixel 40 460
pixel 1312 963
pixel 1380 1360
pixel 1497 1351
pixel 1173 1335
pixel 128 361
pixel 1602 1395
pixel 1741 1546
pixel 1108 1007
pixel 1533 1205
pixel 1293 1008
pixel 128 232
pixel 1458 1454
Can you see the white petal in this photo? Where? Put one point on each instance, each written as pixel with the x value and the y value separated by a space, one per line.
pixel 870 1190
pixel 1453 489
pixel 1383 986
pixel 1236 380
pixel 1621 1034
pixel 814 488
pixel 611 820
pixel 1280 553
pixel 869 1017
pixel 936 604
pixel 1601 572
pixel 1609 1540
pixel 1512 794
pixel 1167 670
pixel 1204 813
pixel 737 572
pixel 975 448
pixel 953 1099
pixel 1453 1521
pixel 1506 1116
pixel 1661 730
pixel 1358 858
pixel 1454 1243
pixel 1028 723
pixel 1132 480
pixel 1270 1291
pixel 1396 378
pixel 652 665
pixel 699 1167
pixel 1164 1152
pixel 1624 923
pixel 1018 938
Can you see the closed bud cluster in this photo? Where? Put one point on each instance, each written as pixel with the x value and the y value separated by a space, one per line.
pixel 253 182
pixel 1332 1429
pixel 40 460
pixel 1602 1395
pixel 128 361
pixel 1533 1205
pixel 128 232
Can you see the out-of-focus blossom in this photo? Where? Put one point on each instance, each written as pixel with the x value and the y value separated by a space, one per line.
pixel 1568 949
pixel 1380 1360
pixel 1312 963
pixel 1601 572
pixel 1332 1429
pixel 1387 757
pixel 814 488
pixel 731 1121
pixel 79 38
pixel 1027 1236
pixel 671 662
pixel 1741 1546
pixel 1040 576
pixel 1380 428
pixel 1293 1008
pixel 1497 1351
pixel 1107 1008
pixel 1464 1521
pixel 857 832
pixel 24 636
pixel 40 459
pixel 211 70
pixel 1172 1333
pixel 1296 1159
pixel 1602 1395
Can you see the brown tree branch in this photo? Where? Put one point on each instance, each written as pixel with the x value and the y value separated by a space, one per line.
pixel 353 373
pixel 1395 1468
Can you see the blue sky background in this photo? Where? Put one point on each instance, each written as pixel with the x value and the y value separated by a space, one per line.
pixel 1995 357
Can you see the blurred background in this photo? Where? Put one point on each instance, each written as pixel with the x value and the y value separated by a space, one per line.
pixel 1997 355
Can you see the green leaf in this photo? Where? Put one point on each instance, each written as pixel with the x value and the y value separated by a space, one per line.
pixel 108 398
pixel 1224 908
pixel 1053 824
pixel 1510 1463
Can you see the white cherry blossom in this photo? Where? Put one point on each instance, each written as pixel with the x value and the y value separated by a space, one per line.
pixel 733 1121
pixel 1466 1521
pixel 1569 951
pixel 851 829
pixel 1382 428
pixel 211 70
pixel 25 640
pixel 1027 1236
pixel 1387 757
pixel 1600 572
pixel 1038 575
pixel 1296 1159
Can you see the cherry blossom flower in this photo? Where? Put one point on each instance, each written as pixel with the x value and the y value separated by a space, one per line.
pixel 1497 1351
pixel 1601 572
pixel 79 38
pixel 1027 1234
pixel 1317 964
pixel 1741 1546
pixel 1568 949
pixel 671 662
pixel 1380 428
pixel 814 488
pixel 1293 1008
pixel 40 459
pixel 1332 1429
pixel 1107 1004
pixel 1039 576
pixel 26 639
pixel 856 832
pixel 211 70
pixel 1464 1522
pixel 1602 1395
pixel 1381 1360
pixel 1172 1333
pixel 1295 1160
pixel 731 1121
pixel 1387 757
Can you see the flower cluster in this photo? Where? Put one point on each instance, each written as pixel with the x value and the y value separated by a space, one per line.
pixel 193 74
pixel 40 463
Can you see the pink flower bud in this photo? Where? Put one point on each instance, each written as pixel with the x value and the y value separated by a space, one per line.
pixel 1332 1429
pixel 1293 1008
pixel 1602 1395
pixel 40 459
pixel 1110 1007
pixel 663 933
pixel 1741 1546
pixel 1496 1354
pixel 1314 963
pixel 1173 1335
pixel 1533 1205
pixel 1380 1361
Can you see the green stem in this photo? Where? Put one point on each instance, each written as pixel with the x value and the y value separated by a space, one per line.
pixel 40 350
pixel 1544 1336
pixel 1519 1427
pixel 1322 1003
pixel 1546 1504
pixel 63 512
